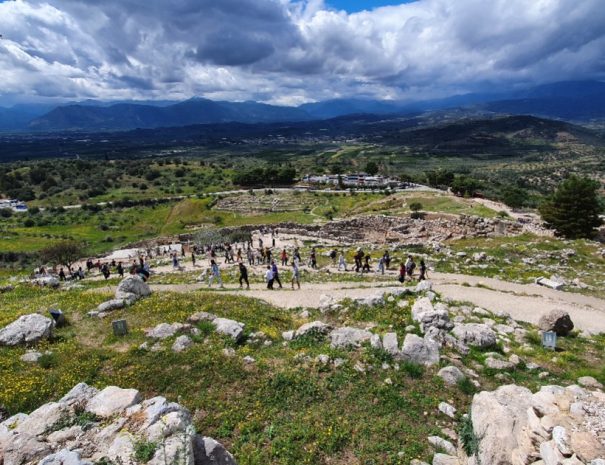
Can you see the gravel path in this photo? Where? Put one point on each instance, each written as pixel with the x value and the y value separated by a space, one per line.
pixel 525 302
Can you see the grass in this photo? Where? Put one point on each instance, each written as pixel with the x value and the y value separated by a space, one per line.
pixel 284 409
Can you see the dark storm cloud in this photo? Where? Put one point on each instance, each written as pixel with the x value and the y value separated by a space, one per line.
pixel 290 51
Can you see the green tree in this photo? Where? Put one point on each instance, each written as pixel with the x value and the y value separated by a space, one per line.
pixel 573 210
pixel 371 168
pixel 64 253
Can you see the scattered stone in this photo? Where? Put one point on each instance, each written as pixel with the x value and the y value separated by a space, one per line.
pixel 348 337
pixel 226 327
pixel 111 305
pixel 442 444
pixel 287 335
pixel 207 451
pixel 549 283
pixel 556 320
pixel 182 343
pixel 229 352
pixel 561 439
pixel 497 364
pixel 248 360
pixel 421 351
pixel 359 366
pixel 322 359
pixel 316 328
pixel 424 286
pixel 201 316
pixel 390 344
pixel 451 375
pixel 166 330
pixel 27 329
pixel 31 356
pixel 447 409
pixel 475 334
pixel 589 382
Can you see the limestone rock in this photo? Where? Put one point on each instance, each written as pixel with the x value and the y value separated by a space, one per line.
pixel 475 334
pixel 447 409
pixel 166 330
pixel 390 344
pixel 31 356
pixel 64 457
pixel 444 459
pixel 132 288
pixel 226 327
pixel 556 320
pixel 201 316
pixel 27 329
pixel 207 451
pixel 451 375
pixel 421 306
pixel 424 286
pixel 349 337
pixel 586 446
pixel 111 305
pixel 442 444
pixel 589 382
pixel 182 343
pixel 112 400
pixel 316 328
pixel 421 351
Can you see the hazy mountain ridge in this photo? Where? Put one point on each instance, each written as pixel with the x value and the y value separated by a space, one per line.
pixel 576 101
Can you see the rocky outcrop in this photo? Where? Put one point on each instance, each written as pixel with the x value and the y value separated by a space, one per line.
pixel 117 420
pixel 27 329
pixel 556 320
pixel 166 330
pixel 555 425
pixel 130 289
pixel 314 328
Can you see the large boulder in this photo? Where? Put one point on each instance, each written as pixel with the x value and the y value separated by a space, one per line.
pixel 556 320
pixel 451 375
pixel 475 334
pixel 349 337
pixel 499 419
pixel 27 329
pixel 420 351
pixel 132 289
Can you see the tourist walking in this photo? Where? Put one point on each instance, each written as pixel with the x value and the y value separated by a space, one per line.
pixel 401 273
pixel 276 274
pixel 423 271
pixel 192 258
pixel 295 274
pixel 313 258
pixel 342 265
pixel 215 274
pixel 410 265
pixel 120 270
pixel 366 265
pixel 381 265
pixel 243 276
pixel 105 271
pixel 61 275
pixel 269 277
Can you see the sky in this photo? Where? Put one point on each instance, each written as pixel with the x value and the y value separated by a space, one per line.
pixel 292 51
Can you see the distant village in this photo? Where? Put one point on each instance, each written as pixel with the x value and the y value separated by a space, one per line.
pixel 15 205
pixel 357 180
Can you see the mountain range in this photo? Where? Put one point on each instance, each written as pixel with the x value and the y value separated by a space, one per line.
pixel 577 101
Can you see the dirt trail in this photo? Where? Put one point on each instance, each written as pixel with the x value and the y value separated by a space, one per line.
pixel 525 302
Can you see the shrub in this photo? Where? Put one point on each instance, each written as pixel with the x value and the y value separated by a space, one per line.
pixel 413 370
pixel 470 442
pixel 144 450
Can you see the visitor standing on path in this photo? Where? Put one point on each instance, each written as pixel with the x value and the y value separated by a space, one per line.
pixel 284 257
pixel 193 258
pixel 401 273
pixel 215 274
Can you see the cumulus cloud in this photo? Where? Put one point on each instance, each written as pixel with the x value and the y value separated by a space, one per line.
pixel 291 51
